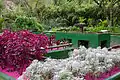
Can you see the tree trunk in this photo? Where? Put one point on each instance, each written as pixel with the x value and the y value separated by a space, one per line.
pixel 111 18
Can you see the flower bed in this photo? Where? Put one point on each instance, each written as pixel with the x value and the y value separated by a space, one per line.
pixel 19 49
pixel 83 64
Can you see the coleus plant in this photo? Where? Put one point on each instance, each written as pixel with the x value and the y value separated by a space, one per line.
pixel 53 41
pixel 18 49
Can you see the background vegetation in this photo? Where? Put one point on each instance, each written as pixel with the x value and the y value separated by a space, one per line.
pixel 41 15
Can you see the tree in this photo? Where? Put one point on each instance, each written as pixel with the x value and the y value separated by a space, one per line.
pixel 110 9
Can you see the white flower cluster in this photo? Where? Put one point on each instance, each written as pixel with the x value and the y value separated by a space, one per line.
pixel 80 62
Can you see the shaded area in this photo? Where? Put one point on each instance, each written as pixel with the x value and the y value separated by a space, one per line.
pixel 103 43
pixel 84 43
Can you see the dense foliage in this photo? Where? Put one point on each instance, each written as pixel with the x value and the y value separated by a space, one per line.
pixel 62 13
pixel 18 49
pixel 29 23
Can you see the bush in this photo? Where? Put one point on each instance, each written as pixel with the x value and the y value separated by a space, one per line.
pixel 95 29
pixel 28 23
pixel 99 28
pixel 18 49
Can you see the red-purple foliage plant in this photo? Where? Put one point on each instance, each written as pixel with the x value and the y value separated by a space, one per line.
pixel 18 49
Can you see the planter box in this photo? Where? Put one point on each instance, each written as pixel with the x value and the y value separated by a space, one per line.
pixel 59 54
pixel 114 77
pixel 86 39
pixel 5 77
pixel 115 40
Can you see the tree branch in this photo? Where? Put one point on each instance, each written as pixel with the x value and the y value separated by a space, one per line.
pixel 99 4
pixel 26 2
pixel 115 2
pixel 96 1
pixel 36 4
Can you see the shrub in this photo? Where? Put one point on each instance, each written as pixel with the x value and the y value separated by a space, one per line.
pixel 18 48
pixel 29 23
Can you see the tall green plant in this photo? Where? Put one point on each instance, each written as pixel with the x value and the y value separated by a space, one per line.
pixel 109 8
pixel 82 19
pixel 29 23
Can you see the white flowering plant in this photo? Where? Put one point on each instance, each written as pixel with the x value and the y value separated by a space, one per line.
pixel 80 62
